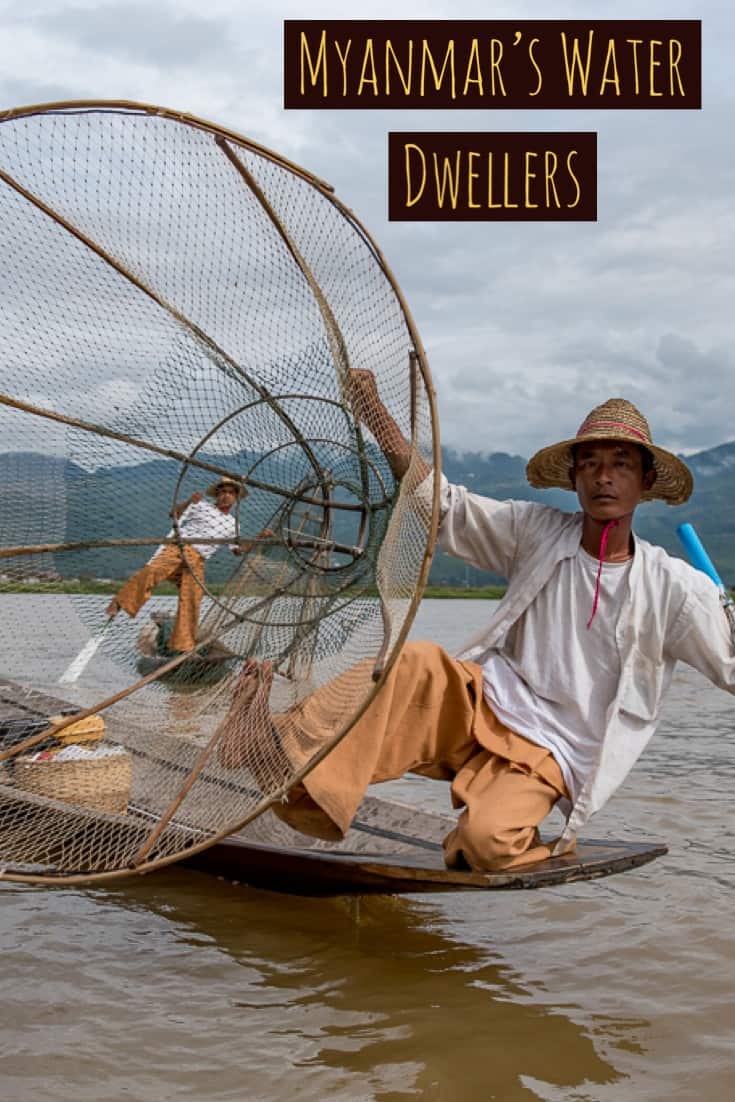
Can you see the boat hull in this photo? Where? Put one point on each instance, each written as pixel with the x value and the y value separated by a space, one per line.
pixel 337 872
pixel 390 847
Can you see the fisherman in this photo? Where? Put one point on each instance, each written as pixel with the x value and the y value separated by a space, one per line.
pixel 184 564
pixel 557 698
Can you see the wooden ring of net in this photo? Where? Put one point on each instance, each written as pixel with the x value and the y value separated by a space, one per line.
pixel 182 310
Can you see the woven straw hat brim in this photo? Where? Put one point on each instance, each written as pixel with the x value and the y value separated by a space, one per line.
pixel 212 490
pixel 549 467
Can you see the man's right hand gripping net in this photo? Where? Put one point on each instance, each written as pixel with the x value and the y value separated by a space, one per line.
pixel 180 306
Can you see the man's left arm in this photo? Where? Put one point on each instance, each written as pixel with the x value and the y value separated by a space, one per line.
pixel 701 635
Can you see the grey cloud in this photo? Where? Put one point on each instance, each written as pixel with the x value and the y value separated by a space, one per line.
pixel 153 33
pixel 527 326
pixel 26 91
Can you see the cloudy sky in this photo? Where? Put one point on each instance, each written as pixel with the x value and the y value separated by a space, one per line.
pixel 526 326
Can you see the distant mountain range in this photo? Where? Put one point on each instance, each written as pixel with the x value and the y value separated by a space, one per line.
pixel 59 500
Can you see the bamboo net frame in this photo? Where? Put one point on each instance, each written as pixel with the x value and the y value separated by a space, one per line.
pixel 227 294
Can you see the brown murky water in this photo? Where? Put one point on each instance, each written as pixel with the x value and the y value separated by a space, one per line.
pixel 182 986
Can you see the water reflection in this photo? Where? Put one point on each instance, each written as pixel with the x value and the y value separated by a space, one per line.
pixel 182 987
pixel 379 993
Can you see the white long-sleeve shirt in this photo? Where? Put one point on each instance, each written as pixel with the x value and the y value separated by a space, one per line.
pixel 672 612
pixel 200 520
pixel 582 664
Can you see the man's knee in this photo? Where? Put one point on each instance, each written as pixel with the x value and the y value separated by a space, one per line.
pixel 487 843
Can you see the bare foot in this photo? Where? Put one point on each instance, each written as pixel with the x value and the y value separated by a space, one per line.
pixel 112 609
pixel 248 716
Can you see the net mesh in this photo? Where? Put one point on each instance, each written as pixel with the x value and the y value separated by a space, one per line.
pixel 180 307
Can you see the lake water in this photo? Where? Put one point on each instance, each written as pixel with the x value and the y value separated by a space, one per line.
pixel 181 986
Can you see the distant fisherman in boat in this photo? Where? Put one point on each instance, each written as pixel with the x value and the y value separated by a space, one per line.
pixel 197 519
pixel 557 698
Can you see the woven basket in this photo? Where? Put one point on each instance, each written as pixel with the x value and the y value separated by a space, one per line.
pixel 99 783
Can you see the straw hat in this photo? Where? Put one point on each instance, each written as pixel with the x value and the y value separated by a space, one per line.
pixel 616 419
pixel 224 483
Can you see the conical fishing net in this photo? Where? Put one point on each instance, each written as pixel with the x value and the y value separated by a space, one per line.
pixel 182 316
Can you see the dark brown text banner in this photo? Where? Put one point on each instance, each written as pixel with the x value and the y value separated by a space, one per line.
pixel 610 63
pixel 492 177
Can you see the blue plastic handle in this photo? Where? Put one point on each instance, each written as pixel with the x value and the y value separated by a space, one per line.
pixel 697 554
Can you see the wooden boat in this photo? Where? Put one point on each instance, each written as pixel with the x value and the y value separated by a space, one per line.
pixel 391 847
pixel 396 848
pixel 208 665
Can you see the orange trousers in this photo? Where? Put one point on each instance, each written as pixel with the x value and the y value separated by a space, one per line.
pixel 430 717
pixel 185 567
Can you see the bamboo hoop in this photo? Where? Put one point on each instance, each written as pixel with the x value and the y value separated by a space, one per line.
pixel 325 189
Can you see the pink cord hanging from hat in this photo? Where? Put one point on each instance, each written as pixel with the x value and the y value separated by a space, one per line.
pixel 603 544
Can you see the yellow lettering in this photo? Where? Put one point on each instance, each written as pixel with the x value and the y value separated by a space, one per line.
pixel 653 66
pixel 496 56
pixel 390 52
pixel 472 175
pixel 575 65
pixel 506 183
pixel 473 60
pixel 529 176
pixel 674 65
pixel 321 62
pixel 438 77
pixel 491 205
pixel 551 163
pixel 532 59
pixel 570 170
pixel 413 199
pixel 635 43
pixel 610 63
pixel 368 61
pixel 343 60
pixel 447 179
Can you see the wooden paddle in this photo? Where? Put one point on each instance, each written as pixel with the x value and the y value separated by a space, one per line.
pixel 701 560
pixel 75 668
